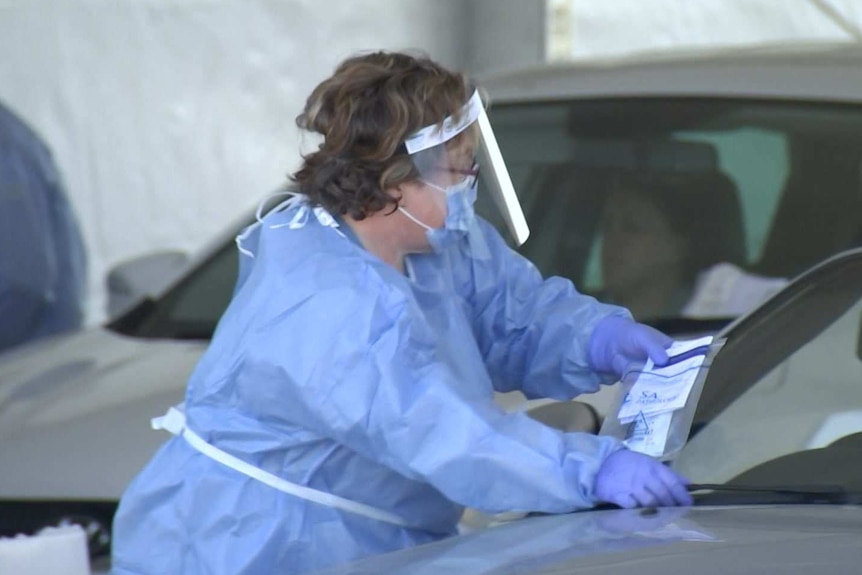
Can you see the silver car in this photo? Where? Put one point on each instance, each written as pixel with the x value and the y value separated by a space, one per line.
pixel 775 454
pixel 755 156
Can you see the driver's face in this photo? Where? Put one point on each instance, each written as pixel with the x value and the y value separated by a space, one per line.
pixel 638 242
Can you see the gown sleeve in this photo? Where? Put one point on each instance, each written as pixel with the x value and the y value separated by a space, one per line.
pixel 533 332
pixel 365 372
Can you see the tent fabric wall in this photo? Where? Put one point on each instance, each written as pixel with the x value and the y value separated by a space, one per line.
pixel 603 29
pixel 170 118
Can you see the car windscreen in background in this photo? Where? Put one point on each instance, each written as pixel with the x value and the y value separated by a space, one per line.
pixel 651 202
pixel 192 308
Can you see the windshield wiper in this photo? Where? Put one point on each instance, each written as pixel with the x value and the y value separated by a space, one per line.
pixel 829 494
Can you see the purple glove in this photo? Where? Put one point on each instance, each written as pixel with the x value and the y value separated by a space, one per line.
pixel 631 479
pixel 617 342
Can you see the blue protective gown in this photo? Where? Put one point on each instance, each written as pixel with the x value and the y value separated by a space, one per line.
pixel 332 370
pixel 43 264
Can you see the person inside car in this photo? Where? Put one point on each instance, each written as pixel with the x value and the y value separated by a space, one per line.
pixel 673 246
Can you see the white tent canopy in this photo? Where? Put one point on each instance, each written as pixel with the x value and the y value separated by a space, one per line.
pixel 168 118
pixel 591 29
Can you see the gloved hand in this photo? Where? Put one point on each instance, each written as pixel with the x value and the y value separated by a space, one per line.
pixel 617 341
pixel 630 479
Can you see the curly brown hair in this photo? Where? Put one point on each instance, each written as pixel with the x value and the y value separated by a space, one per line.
pixel 364 112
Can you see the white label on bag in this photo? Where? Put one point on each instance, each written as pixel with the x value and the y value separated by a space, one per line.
pixel 648 435
pixel 665 389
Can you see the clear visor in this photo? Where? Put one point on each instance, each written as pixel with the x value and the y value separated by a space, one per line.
pixel 452 155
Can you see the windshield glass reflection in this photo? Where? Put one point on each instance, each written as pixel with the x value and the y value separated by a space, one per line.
pixel 784 399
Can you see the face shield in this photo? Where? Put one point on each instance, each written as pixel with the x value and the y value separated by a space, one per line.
pixel 450 157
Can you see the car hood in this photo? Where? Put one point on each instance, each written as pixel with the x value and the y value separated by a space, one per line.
pixel 82 402
pixel 705 540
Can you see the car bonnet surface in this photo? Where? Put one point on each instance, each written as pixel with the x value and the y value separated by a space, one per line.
pixel 708 540
pixel 68 403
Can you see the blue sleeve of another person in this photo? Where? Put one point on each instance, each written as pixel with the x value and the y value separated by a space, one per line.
pixel 43 263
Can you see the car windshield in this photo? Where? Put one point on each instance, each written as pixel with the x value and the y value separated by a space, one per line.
pixel 683 207
pixel 688 211
pixel 782 402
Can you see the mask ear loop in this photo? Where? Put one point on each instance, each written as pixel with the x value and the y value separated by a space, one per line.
pixel 435 186
pixel 414 219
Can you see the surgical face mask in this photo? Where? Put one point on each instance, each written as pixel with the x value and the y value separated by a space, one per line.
pixel 460 214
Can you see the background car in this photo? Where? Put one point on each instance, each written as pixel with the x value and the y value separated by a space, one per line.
pixel 767 144
pixel 775 451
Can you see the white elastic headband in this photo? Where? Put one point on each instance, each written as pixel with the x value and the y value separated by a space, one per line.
pixel 434 135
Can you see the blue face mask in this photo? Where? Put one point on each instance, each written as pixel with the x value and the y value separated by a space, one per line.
pixel 460 214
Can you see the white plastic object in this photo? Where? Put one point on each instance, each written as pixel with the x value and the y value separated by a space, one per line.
pixel 53 550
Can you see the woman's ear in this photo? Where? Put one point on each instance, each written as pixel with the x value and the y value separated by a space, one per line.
pixel 403 192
